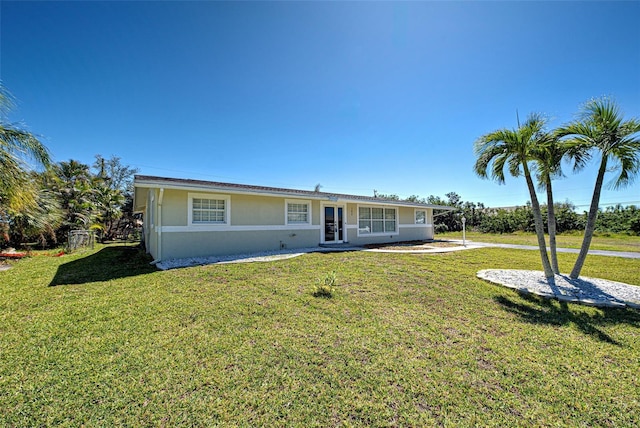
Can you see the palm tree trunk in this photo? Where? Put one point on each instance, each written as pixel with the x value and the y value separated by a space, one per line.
pixel 537 217
pixel 551 221
pixel 591 220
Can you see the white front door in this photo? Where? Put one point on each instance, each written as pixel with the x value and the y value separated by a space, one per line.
pixel 332 224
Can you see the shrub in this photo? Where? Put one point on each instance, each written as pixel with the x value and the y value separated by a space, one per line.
pixel 325 286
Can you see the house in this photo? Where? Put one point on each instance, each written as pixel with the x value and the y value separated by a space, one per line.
pixel 194 218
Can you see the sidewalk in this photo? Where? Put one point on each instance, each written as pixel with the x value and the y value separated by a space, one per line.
pixel 625 254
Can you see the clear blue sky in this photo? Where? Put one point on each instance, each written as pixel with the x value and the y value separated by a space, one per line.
pixel 355 96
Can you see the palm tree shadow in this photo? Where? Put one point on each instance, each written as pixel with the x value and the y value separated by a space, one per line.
pixel 540 310
pixel 107 264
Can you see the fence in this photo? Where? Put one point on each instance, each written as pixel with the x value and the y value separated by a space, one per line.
pixel 80 239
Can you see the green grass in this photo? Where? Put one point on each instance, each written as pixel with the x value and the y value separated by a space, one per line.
pixel 609 241
pixel 100 338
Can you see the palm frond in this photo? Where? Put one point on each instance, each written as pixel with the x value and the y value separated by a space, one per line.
pixel 7 101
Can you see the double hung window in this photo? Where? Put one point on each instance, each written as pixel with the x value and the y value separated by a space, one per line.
pixel 208 209
pixel 298 212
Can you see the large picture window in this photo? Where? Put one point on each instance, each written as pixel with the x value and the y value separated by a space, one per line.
pixel 374 220
pixel 208 209
pixel 298 212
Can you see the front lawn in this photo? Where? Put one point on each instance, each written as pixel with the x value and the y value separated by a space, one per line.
pixel 101 338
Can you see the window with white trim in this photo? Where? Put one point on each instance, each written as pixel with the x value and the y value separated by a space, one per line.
pixel 298 212
pixel 208 209
pixel 421 216
pixel 375 220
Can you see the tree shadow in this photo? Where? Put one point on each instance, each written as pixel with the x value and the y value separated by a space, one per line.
pixel 540 310
pixel 107 264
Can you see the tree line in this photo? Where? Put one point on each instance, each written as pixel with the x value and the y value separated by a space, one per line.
pixel 68 196
pixel 480 218
pixel 612 219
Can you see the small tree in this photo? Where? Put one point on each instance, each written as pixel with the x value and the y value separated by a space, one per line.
pixel 36 222
pixel 72 183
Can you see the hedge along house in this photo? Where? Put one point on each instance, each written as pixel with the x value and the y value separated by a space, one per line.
pixel 193 218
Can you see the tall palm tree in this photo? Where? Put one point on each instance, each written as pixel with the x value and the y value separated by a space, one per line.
pixel 601 129
pixel 515 148
pixel 548 157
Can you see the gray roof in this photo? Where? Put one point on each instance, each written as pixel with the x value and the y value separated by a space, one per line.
pixel 182 183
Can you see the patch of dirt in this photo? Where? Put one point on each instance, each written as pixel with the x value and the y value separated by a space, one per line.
pixel 414 245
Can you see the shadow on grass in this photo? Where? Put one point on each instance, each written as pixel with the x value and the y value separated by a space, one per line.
pixel 107 264
pixel 539 310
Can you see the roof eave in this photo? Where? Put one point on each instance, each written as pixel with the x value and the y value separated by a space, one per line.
pixel 200 186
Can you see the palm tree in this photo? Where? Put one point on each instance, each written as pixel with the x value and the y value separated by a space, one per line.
pixel 109 204
pixel 600 128
pixel 17 146
pixel 72 183
pixel 515 148
pixel 548 157
pixel 40 221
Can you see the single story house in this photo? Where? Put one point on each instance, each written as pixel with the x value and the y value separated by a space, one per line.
pixel 195 218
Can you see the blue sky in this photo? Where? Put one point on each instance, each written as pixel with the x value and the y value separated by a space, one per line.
pixel 355 96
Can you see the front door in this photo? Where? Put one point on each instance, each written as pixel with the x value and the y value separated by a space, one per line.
pixel 333 224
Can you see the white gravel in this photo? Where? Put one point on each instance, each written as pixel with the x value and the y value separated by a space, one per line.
pixel 265 256
pixel 589 291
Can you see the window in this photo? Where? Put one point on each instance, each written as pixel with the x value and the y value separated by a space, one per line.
pixel 298 212
pixel 208 209
pixel 373 220
pixel 421 217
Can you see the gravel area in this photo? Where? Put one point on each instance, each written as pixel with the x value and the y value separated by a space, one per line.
pixel 266 256
pixel 588 291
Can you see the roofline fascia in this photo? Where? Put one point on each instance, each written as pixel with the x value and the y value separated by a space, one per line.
pixel 157 184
